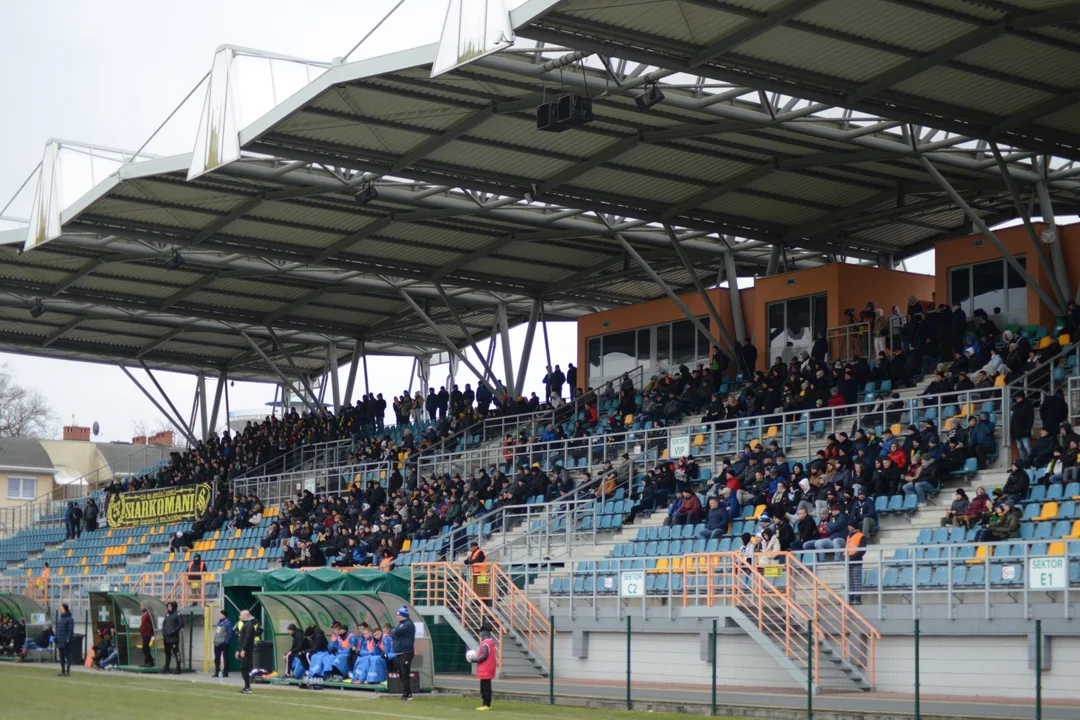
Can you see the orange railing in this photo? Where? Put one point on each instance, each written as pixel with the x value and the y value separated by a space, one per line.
pixel 522 616
pixel 443 585
pixel 782 598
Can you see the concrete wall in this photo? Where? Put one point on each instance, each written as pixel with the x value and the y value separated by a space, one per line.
pixel 987 665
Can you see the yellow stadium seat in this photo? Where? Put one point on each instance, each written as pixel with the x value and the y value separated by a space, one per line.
pixel 213 545
pixel 109 534
pixel 662 564
pixel 999 381
pixel 1057 548
pixel 1043 343
pixel 248 555
pixel 1049 511
pixel 664 455
pixel 629 419
pixel 237 534
pixel 677 564
pixel 262 552
pixel 1075 534
pixel 699 440
pixel 1064 339
pixel 83 561
pixel 897 429
pixel 167 566
pixel 981 554
pixel 217 534
pixel 228 564
pixel 86 570
pixel 172 556
pixel 60 571
pixel 232 554
pixel 382 474
pixel 70 551
pixel 758 510
pixel 406 545
pixel 772 432
pixel 187 556
pixel 127 578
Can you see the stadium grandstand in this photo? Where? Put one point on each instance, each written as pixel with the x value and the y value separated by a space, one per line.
pixel 751 494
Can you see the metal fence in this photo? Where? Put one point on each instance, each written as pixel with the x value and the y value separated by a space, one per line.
pixel 941 669
pixel 800 433
pixel 338 480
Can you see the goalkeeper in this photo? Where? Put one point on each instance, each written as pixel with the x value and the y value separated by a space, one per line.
pixel 486 664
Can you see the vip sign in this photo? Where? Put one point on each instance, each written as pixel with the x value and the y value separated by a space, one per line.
pixel 679 447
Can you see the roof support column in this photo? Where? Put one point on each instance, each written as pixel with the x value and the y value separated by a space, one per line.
pixel 530 333
pixel 303 378
pixel 547 349
pixel 445 340
pixel 985 230
pixel 332 368
pixel 286 383
pixel 222 379
pixel 194 415
pixel 504 331
pixel 664 286
pixel 227 413
pixel 412 375
pixel 468 335
pixel 700 287
pixel 736 298
pixel 179 418
pixel 358 350
pixel 423 371
pixel 204 418
pixel 1025 216
pixel 367 386
pixel 1059 270
pixel 774 260
pixel 172 421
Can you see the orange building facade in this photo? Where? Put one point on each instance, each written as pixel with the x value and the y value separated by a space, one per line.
pixel 781 315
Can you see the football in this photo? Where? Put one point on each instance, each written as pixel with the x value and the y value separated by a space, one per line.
pixel 470 655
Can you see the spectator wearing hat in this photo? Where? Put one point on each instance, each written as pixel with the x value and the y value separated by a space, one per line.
pixel 957 509
pixel 296 657
pixel 223 633
pixel 863 512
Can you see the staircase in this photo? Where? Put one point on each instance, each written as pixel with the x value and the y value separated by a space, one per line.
pixel 792 614
pixel 465 598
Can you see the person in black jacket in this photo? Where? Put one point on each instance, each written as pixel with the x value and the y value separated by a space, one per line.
pixel 170 631
pixel 404 636
pixel 1054 411
pixel 65 631
pixel 245 649
pixel 958 327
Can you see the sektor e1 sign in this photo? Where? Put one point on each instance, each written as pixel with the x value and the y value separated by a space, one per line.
pixel 1047 573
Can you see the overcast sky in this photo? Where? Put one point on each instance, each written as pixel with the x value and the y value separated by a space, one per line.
pixel 109 72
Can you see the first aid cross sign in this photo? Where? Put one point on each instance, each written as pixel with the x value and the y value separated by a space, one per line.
pixel 632 583
pixel 1047 573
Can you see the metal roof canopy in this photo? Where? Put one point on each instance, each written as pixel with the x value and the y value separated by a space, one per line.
pixel 478 208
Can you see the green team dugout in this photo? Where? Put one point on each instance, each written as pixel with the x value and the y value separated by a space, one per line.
pixel 24 610
pixel 122 613
pixel 349 608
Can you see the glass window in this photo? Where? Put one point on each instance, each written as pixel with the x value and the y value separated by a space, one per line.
pixel 683 339
pixel 663 346
pixel 798 321
pixel 619 353
pixel 644 347
pixel 960 288
pixel 21 488
pixel 594 361
pixel 777 329
pixel 988 286
pixel 1016 299
pixel 820 317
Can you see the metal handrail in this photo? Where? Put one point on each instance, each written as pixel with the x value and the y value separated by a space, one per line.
pixel 1028 381
pixel 272 489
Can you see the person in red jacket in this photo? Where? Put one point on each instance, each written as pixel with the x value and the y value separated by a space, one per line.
pixel 486 660
pixel 146 632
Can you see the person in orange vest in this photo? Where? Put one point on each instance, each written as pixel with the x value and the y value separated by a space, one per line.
pixel 476 555
pixel 486 664
pixel 856 549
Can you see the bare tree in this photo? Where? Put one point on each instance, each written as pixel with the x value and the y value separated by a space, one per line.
pixel 24 412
